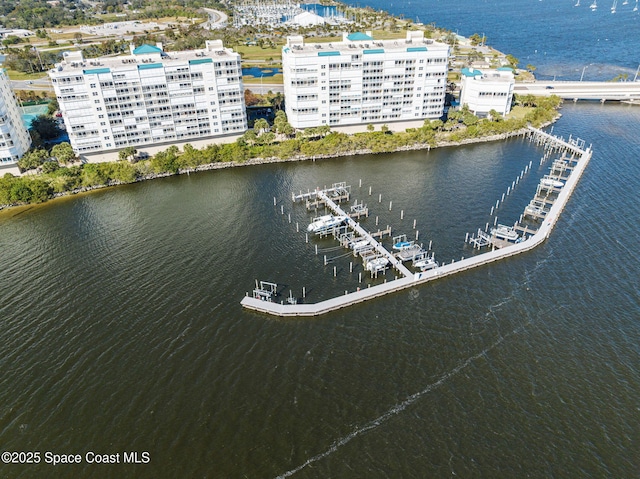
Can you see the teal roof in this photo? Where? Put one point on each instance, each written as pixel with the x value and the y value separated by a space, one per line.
pixel 328 54
pixel 505 69
pixel 468 73
pixel 375 50
pixel 146 49
pixel 198 61
pixel 358 37
pixel 416 49
pixel 96 71
pixel 149 66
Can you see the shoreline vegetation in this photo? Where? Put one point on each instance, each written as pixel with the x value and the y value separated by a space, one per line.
pixel 262 145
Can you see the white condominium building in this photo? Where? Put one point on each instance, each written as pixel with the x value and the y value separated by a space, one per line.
pixel 491 90
pixel 14 136
pixel 361 80
pixel 150 97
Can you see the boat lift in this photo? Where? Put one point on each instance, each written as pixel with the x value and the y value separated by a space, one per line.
pixel 265 291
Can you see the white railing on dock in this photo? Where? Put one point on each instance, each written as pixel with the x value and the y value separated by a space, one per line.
pixel 412 279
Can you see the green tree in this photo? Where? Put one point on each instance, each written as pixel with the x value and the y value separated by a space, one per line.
pixel 53 106
pixel 261 125
pixel 50 166
pixel 33 159
pixel 513 61
pixel 64 153
pixel 127 153
pixel 46 127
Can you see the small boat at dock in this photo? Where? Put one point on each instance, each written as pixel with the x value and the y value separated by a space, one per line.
pixel 550 183
pixel 426 264
pixel 504 232
pixel 377 264
pixel 324 223
pixel 534 210
pixel 400 245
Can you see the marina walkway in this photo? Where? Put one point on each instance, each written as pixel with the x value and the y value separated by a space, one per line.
pixel 365 234
pixel 409 280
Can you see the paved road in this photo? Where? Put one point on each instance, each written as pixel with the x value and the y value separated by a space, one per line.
pixel 217 19
pixel 40 84
pixel 581 90
pixel 264 88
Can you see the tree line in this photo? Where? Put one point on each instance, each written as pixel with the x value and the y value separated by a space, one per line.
pixel 58 170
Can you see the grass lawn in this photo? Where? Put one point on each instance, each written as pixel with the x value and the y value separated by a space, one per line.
pixel 15 75
pixel 69 35
pixel 249 80
pixel 254 52
pixel 519 111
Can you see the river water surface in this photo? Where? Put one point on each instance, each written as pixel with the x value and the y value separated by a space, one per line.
pixel 122 330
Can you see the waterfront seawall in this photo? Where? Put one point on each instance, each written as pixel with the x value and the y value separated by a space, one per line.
pixel 531 242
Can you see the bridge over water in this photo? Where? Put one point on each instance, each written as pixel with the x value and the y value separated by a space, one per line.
pixel 582 90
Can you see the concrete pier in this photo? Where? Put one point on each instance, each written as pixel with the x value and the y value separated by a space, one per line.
pixel 413 279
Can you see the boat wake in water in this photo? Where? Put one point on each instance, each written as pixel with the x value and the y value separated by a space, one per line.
pixel 398 408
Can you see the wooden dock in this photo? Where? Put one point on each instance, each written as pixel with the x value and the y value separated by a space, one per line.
pixel 412 279
pixel 365 234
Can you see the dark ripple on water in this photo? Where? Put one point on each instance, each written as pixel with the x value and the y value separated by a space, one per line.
pixel 122 328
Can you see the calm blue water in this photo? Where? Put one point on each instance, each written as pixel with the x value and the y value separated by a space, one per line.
pixel 260 72
pixel 557 37
pixel 122 330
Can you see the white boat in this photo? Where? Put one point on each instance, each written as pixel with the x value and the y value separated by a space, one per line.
pixel 400 245
pixel 377 264
pixel 635 9
pixel 323 223
pixel 535 210
pixel 614 6
pixel 548 182
pixel 359 244
pixel 594 5
pixel 505 233
pixel 577 4
pixel 426 264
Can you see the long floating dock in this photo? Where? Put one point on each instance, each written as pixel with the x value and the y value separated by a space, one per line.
pixel 410 279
